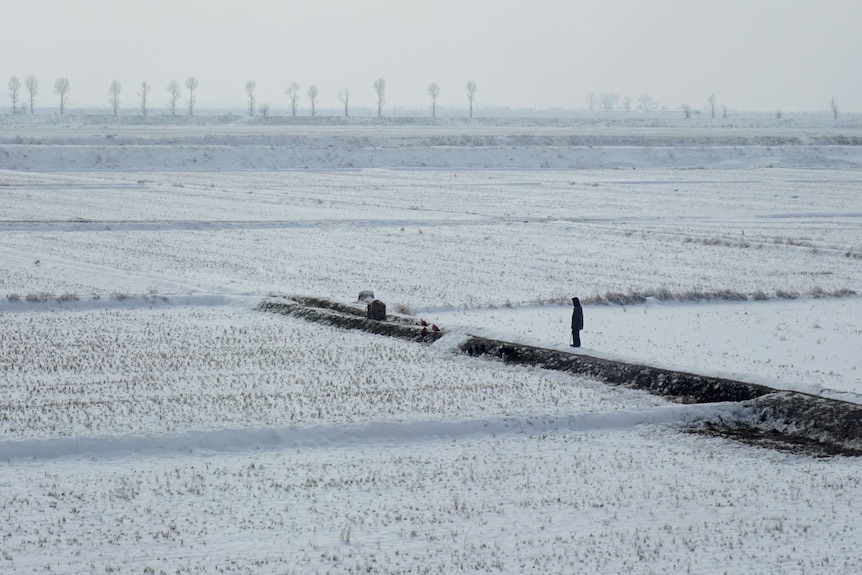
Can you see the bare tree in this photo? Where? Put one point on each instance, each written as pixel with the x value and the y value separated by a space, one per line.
pixel 145 90
pixel 249 92
pixel 380 90
pixel 293 95
pixel 174 93
pixel 591 102
pixel 712 103
pixel 833 105
pixel 686 111
pixel 14 90
pixel 778 114
pixel 114 95
pixel 610 102
pixel 434 92
pixel 471 94
pixel 312 97
pixel 191 86
pixel 264 109
pixel 32 85
pixel 344 98
pixel 62 88
pixel 647 103
pixel 724 111
pixel 627 103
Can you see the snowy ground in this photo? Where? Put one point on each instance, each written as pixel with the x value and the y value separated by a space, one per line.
pixel 152 421
pixel 808 345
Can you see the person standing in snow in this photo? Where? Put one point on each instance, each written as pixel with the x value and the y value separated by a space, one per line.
pixel 577 322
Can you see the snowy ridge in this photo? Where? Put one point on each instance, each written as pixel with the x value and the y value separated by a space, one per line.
pixel 323 436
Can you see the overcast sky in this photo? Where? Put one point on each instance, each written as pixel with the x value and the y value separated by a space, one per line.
pixel 765 55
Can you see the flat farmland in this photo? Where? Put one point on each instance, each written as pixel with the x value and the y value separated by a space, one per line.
pixel 148 407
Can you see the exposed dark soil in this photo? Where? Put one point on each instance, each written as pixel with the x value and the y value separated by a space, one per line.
pixel 784 420
pixel 680 386
pixel 771 439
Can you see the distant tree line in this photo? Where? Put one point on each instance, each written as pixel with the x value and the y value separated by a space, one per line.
pixel 610 102
pixel 62 88
pixel 607 102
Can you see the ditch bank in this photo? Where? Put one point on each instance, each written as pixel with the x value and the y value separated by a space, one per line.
pixel 351 316
pixel 778 419
pixel 767 416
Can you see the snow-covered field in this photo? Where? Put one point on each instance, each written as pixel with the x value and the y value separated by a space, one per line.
pixel 152 421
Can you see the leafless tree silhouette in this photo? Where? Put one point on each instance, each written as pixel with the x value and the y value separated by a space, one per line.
pixel 471 94
pixel 344 98
pixel 380 90
pixel 647 103
pixel 145 90
pixel 312 97
pixel 32 85
pixel 293 95
pixel 250 87
pixel 610 102
pixel 114 91
pixel 62 88
pixel 434 92
pixel 174 92
pixel 14 90
pixel 191 86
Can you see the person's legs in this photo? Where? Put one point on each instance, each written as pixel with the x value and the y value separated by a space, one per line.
pixel 576 338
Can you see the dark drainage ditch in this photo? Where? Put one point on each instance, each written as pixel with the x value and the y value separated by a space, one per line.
pixel 777 419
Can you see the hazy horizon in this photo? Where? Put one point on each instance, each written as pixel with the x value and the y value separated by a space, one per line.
pixel 765 55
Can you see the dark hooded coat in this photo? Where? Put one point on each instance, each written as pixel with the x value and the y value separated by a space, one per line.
pixel 577 315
